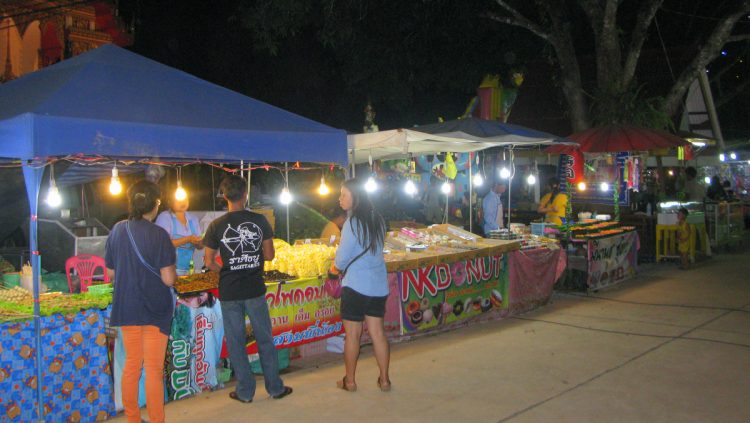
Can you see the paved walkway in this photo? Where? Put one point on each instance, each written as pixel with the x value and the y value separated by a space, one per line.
pixel 668 346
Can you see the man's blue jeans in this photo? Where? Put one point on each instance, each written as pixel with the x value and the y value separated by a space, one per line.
pixel 233 313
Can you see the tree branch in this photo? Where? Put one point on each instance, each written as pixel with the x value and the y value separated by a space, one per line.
pixel 645 16
pixel 736 38
pixel 708 52
pixel 517 19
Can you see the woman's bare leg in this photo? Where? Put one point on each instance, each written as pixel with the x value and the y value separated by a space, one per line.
pixel 380 346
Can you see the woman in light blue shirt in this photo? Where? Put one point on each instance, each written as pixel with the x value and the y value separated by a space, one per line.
pixel 365 283
pixel 184 230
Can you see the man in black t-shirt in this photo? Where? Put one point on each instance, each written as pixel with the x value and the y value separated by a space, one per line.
pixel 245 240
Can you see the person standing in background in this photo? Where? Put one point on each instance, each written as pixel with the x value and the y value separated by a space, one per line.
pixel 141 257
pixel 333 227
pixel 244 240
pixel 693 189
pixel 492 208
pixel 554 203
pixel 184 230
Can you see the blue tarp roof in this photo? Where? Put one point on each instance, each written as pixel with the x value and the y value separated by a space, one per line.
pixel 115 103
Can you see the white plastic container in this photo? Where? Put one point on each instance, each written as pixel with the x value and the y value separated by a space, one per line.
pixel 666 218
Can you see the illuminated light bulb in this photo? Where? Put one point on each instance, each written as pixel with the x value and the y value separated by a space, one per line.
pixel 722 157
pixel 504 173
pixel 115 187
pixel 409 187
pixel 323 188
pixel 699 143
pixel 671 172
pixel 180 194
pixel 531 179
pixel 445 188
pixel 53 196
pixel 478 180
pixel 371 185
pixel 748 162
pixel 582 186
pixel 733 155
pixel 707 180
pixel 604 186
pixel 286 196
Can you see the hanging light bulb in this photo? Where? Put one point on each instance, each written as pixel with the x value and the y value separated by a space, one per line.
pixel 733 155
pixel 115 187
pixel 445 188
pixel 531 179
pixel 409 187
pixel 478 180
pixel 504 172
pixel 707 180
pixel 180 194
pixel 582 186
pixel 722 157
pixel 604 187
pixel 53 196
pixel 371 185
pixel 286 196
pixel 323 189
pixel 670 172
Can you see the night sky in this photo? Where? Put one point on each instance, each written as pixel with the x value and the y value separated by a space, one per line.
pixel 414 60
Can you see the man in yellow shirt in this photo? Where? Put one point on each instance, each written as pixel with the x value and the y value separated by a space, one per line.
pixel 333 227
pixel 554 203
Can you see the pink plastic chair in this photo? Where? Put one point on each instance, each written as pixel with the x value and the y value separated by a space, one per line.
pixel 85 265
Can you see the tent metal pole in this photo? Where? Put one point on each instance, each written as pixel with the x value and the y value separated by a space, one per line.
pixel 471 194
pixel 33 172
pixel 286 184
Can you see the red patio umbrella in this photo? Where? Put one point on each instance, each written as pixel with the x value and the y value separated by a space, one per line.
pixel 613 138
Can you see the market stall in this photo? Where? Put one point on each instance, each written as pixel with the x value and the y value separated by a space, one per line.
pixel 604 252
pixel 110 104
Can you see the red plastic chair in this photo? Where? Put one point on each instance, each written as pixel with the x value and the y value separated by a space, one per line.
pixel 85 265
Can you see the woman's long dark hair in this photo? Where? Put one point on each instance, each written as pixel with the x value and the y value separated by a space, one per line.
pixel 370 228
pixel 142 198
pixel 554 186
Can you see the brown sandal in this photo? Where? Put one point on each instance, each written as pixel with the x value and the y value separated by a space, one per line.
pixel 384 387
pixel 342 384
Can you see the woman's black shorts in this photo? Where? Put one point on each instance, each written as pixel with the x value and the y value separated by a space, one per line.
pixel 355 306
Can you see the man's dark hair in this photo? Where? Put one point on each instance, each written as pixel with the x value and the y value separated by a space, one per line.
pixel 691 172
pixel 233 187
pixel 684 211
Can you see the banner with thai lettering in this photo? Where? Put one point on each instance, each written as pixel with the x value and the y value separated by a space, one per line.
pixel 301 312
pixel 445 293
pixel 612 259
pixel 193 352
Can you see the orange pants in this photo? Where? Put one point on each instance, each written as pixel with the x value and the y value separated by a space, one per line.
pixel 145 347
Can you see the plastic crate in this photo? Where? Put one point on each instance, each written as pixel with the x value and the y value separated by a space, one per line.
pixel 283 362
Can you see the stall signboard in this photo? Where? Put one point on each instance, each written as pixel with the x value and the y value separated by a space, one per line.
pixel 193 352
pixel 301 312
pixel 445 293
pixel 612 259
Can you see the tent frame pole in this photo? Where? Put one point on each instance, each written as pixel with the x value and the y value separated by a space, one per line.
pixel 471 193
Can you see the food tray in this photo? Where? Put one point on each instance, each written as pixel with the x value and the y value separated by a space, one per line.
pixel 197 282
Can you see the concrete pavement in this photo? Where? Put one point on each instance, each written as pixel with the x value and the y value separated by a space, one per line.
pixel 668 346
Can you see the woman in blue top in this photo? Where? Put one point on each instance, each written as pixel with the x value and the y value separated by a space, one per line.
pixel 140 259
pixel 365 283
pixel 184 230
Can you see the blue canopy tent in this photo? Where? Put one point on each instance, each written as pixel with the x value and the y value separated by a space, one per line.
pixel 112 102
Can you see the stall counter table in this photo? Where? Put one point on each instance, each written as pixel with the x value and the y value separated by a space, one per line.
pixel 76 372
pixel 605 260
